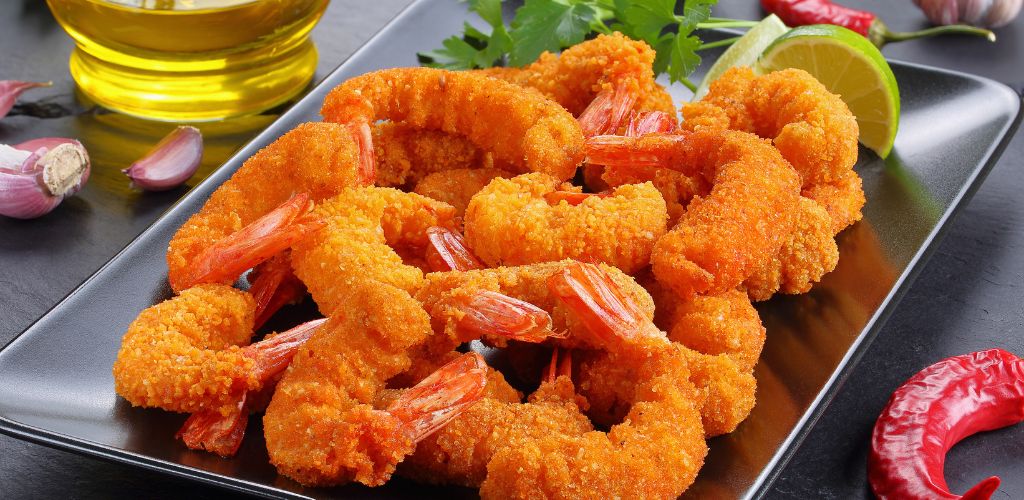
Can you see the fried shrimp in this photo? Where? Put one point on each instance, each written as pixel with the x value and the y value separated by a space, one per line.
pixel 722 238
pixel 407 154
pixel 528 284
pixel 364 227
pixel 319 159
pixel 534 218
pixel 321 426
pixel 459 453
pixel 190 353
pixel 812 127
pixel 809 253
pixel 655 451
pixel 456 187
pixel 581 72
pixel 529 132
pixel 725 391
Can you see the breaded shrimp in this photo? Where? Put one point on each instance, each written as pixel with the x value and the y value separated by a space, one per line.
pixel 842 198
pixel 319 159
pixel 456 187
pixel 528 131
pixel 812 127
pixel 364 227
pixel 608 312
pixel 190 353
pixel 527 219
pixel 321 426
pixel 576 76
pixel 459 453
pixel 724 237
pixel 526 283
pixel 711 324
pixel 406 154
pixel 655 451
pixel 809 253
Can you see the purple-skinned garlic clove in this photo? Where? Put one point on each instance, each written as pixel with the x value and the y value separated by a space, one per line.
pixel 33 183
pixel 11 89
pixel 170 163
pixel 983 13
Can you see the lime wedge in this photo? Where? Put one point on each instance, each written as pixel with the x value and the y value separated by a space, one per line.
pixel 850 66
pixel 743 52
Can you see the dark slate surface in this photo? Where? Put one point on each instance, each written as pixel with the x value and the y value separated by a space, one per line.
pixel 967 298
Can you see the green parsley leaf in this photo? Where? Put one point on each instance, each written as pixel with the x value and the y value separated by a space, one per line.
pixel 548 25
pixel 695 12
pixel 646 19
pixel 455 53
pixel 683 56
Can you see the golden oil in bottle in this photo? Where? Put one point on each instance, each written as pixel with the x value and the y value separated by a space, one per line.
pixel 190 60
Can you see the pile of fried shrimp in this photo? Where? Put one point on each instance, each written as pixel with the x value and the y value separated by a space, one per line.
pixel 564 214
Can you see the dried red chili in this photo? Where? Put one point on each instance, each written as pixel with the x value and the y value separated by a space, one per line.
pixel 934 410
pixel 804 12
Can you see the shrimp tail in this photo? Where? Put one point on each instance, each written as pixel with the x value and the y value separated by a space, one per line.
pixel 492 313
pixel 443 395
pixel 448 251
pixel 363 135
pixel 650 122
pixel 608 314
pixel 273 287
pixel 607 111
pixel 272 355
pixel 215 432
pixel 228 258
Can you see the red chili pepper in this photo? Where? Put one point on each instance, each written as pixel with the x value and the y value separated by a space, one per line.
pixel 804 12
pixel 934 410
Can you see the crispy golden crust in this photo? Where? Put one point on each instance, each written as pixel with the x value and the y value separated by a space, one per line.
pixel 528 131
pixel 456 187
pixel 315 158
pixel 459 453
pixel 183 354
pixel 321 428
pixel 843 199
pixel 510 222
pixel 724 237
pixel 406 154
pixel 364 225
pixel 575 77
pixel 809 253
pixel 655 452
pixel 675 187
pixel 812 127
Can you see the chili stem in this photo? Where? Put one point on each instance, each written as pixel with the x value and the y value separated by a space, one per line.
pixel 953 29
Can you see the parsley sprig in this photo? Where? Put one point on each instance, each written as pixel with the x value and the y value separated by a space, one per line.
pixel 552 25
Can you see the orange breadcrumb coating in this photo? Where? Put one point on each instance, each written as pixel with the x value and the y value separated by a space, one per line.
pixel 184 354
pixel 364 225
pixel 456 187
pixel 812 127
pixel 580 72
pixel 527 131
pixel 321 428
pixel 510 222
pixel 406 154
pixel 655 452
pixel 675 187
pixel 711 324
pixel 723 237
pixel 809 253
pixel 843 199
pixel 459 453
pixel 725 392
pixel 315 158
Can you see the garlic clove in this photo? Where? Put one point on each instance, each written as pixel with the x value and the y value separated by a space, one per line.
pixel 170 163
pixel 42 179
pixel 983 13
pixel 52 142
pixel 11 89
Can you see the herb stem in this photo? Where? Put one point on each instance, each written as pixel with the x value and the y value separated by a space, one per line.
pixel 727 23
pixel 690 85
pixel 719 43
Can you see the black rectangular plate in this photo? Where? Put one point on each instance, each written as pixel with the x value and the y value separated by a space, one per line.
pixel 57 387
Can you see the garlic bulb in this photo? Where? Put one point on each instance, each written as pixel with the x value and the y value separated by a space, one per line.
pixel 33 182
pixel 984 13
